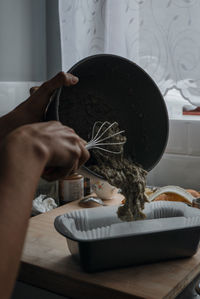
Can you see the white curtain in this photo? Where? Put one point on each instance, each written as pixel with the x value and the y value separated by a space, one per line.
pixel 162 36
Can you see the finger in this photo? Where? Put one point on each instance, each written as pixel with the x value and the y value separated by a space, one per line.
pixel 83 141
pixel 70 130
pixel 63 78
pixel 33 89
pixel 55 173
pixel 85 155
pixel 59 80
pixel 69 79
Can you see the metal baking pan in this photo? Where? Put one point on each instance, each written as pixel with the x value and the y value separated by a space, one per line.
pixel 99 240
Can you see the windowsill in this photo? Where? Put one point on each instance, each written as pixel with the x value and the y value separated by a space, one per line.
pixel 179 108
pixel 185 118
pixel 194 112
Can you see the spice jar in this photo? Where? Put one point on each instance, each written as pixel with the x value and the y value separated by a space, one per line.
pixel 71 188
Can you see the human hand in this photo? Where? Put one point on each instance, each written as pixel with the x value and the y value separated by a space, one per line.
pixel 32 110
pixel 35 105
pixel 24 154
pixel 55 146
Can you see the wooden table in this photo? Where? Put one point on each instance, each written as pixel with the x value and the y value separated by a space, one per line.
pixel 47 263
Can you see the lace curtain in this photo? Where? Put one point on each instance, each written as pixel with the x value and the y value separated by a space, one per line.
pixel 163 37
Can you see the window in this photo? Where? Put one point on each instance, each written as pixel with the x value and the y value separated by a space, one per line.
pixel 163 37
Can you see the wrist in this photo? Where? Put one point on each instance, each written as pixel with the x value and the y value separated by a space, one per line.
pixel 15 119
pixel 22 153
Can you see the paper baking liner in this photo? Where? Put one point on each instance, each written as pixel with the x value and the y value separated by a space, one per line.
pixel 103 222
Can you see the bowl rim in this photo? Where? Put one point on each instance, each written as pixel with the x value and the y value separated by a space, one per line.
pixel 164 107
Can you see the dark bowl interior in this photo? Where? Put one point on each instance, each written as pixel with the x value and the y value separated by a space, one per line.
pixel 112 88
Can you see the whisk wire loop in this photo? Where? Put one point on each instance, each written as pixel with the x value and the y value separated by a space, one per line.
pixel 102 126
pixel 97 139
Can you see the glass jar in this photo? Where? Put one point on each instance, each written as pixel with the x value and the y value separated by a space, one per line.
pixel 71 188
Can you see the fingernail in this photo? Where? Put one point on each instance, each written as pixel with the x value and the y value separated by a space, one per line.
pixel 75 79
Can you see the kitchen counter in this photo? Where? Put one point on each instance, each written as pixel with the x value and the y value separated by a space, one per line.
pixel 47 263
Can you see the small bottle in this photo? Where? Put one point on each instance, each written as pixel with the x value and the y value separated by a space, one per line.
pixel 71 188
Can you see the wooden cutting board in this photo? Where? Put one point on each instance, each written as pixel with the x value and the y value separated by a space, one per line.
pixel 47 263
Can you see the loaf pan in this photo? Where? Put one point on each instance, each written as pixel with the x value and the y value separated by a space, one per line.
pixel 99 240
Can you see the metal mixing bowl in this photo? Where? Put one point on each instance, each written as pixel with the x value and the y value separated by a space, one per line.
pixel 127 95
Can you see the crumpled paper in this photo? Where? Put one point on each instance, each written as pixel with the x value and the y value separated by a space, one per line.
pixel 42 204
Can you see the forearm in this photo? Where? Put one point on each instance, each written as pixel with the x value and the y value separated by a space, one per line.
pixel 23 156
pixel 13 120
pixel 29 111
pixel 32 110
pixel 18 182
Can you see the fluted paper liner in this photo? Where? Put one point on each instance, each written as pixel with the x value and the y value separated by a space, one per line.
pixel 103 223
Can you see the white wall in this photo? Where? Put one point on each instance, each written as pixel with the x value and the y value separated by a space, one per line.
pixel 22 40
pixel 180 164
pixel 53 45
pixel 29 48
pixel 13 93
pixel 30 53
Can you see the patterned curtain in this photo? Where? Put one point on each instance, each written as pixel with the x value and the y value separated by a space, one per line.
pixel 162 36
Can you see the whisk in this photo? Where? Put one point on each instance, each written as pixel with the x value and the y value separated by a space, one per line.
pixel 97 142
pixel 98 138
